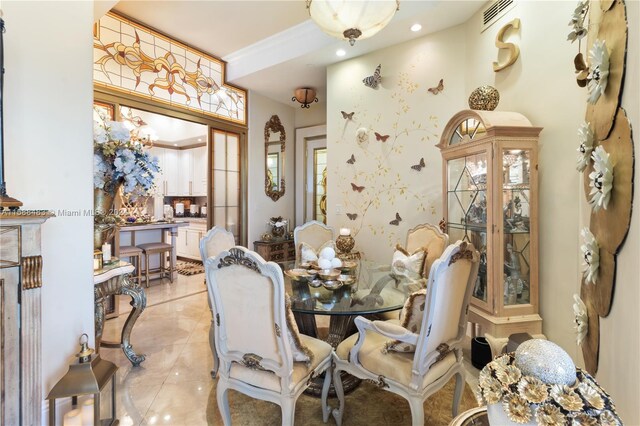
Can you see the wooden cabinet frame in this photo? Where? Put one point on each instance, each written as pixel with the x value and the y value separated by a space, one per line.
pixel 498 132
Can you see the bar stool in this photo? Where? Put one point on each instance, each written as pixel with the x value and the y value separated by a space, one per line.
pixel 161 249
pixel 133 253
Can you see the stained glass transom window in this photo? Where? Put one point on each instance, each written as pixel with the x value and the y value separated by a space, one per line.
pixel 136 60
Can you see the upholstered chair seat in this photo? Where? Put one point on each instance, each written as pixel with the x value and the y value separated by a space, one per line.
pixel 416 361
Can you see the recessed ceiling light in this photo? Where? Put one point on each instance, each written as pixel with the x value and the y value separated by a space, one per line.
pixel 199 139
pixel 341 52
pixel 175 144
pixel 416 27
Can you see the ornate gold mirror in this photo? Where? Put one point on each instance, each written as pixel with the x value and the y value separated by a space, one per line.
pixel 274 148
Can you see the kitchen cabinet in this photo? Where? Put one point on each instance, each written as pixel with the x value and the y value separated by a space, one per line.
pixel 188 241
pixel 192 176
pixel 490 185
pixel 167 180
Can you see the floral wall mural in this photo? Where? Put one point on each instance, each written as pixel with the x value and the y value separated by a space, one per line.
pixel 384 118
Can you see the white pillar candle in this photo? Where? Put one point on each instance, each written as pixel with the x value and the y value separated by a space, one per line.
pixel 106 252
pixel 72 418
pixel 345 231
pixel 96 264
pixel 87 412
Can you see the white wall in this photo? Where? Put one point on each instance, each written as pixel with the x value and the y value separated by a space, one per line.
pixel 403 108
pixel 261 207
pixel 49 158
pixel 314 115
pixel 541 85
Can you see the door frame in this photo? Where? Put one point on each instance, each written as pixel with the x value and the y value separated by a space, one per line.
pixel 304 135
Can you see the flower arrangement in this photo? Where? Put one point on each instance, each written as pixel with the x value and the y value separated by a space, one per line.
pixel 278 226
pixel 119 158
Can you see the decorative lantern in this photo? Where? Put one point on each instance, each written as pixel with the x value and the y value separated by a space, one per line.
pixel 89 376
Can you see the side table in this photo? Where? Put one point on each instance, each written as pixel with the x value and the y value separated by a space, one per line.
pixel 277 250
pixel 113 279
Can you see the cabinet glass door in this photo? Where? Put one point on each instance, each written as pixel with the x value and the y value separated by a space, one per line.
pixel 467 209
pixel 516 213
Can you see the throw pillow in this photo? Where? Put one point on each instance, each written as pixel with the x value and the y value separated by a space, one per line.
pixel 308 253
pixel 301 353
pixel 409 265
pixel 411 319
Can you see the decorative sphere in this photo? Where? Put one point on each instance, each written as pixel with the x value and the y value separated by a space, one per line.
pixel 484 98
pixel 327 253
pixel 324 263
pixel 336 263
pixel 547 361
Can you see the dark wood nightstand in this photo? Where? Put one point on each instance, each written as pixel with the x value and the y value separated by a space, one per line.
pixel 276 251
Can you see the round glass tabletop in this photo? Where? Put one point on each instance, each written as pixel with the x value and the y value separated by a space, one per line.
pixel 373 291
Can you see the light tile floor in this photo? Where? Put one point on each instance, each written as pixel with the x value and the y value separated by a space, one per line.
pixel 173 385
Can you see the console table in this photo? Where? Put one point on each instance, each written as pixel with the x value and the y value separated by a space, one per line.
pixel 113 279
pixel 277 251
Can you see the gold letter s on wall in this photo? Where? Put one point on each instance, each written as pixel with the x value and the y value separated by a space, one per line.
pixel 514 50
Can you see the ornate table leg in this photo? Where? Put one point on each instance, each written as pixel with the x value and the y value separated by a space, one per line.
pixel 339 328
pixel 138 303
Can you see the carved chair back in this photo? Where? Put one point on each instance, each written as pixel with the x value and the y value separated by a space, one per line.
pixel 215 241
pixel 313 233
pixel 431 237
pixel 448 291
pixel 248 298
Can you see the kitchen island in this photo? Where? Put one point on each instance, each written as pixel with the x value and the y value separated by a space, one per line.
pixel 154 232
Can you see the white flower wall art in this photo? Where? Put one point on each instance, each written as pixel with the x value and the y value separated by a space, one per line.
pixel 577 21
pixel 598 70
pixel 600 179
pixel 362 135
pixel 590 256
pixel 585 136
pixel 581 319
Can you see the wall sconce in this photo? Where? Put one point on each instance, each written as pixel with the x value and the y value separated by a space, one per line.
pixel 305 96
pixel 89 376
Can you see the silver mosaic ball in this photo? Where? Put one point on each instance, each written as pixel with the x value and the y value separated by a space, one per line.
pixel 547 361
pixel 484 98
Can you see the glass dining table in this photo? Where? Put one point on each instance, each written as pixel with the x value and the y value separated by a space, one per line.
pixel 374 290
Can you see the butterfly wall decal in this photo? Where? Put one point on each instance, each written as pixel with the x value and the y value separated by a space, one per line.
pixel 347 115
pixel 439 88
pixel 397 220
pixel 373 80
pixel 380 137
pixel 356 188
pixel 418 167
pixel 352 159
pixel 352 216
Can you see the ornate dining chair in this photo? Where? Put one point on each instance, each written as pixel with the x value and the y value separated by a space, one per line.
pixel 313 233
pixel 434 241
pixel 261 352
pixel 373 353
pixel 214 242
pixel 430 237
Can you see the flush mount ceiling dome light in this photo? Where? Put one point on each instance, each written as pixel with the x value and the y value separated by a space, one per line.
pixel 305 96
pixel 352 19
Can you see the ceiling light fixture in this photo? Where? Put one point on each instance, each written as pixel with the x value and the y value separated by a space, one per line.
pixel 305 96
pixel 341 52
pixel 416 27
pixel 351 20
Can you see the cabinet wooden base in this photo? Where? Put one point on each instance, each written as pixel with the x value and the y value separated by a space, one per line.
pixel 498 329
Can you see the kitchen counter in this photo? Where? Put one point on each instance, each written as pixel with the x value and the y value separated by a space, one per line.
pixel 154 232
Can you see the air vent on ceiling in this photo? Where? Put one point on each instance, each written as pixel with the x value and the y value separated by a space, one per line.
pixel 495 11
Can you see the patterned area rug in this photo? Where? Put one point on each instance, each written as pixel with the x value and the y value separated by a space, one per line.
pixel 365 406
pixel 189 268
